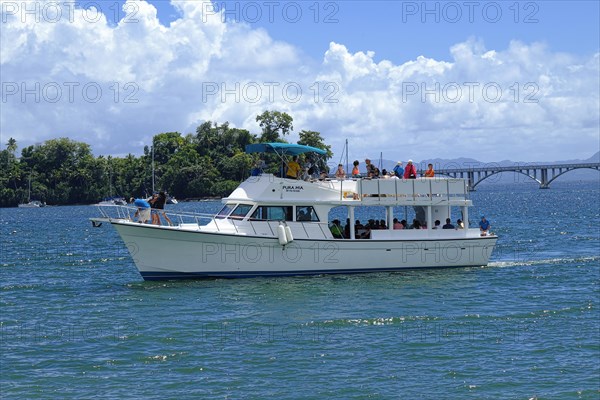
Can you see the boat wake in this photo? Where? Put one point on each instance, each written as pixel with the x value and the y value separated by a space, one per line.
pixel 559 260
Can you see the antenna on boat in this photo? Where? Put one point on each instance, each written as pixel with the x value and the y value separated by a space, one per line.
pixel 345 151
pixel 347 165
pixel 153 165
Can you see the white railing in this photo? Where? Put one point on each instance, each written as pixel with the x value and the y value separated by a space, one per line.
pixel 411 190
pixel 210 221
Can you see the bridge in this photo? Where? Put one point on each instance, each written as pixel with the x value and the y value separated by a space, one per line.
pixel 542 174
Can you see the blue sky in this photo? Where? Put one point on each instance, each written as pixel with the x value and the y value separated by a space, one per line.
pixel 486 79
pixel 402 30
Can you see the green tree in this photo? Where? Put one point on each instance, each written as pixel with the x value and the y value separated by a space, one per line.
pixel 273 124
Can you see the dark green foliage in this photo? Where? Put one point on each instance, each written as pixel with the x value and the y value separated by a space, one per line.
pixel 210 163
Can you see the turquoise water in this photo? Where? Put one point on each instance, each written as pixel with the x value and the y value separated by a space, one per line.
pixel 77 320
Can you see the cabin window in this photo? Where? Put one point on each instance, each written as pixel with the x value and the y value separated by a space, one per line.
pixel 306 213
pixel 240 211
pixel 273 213
pixel 227 208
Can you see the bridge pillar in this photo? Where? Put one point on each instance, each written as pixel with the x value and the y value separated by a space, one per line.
pixel 544 179
pixel 471 180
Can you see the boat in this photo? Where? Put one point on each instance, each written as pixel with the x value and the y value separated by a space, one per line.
pixel 171 200
pixel 274 226
pixel 31 203
pixel 113 201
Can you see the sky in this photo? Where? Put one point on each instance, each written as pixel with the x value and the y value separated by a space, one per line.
pixel 408 79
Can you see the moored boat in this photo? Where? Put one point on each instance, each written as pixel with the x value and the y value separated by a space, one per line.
pixel 271 226
pixel 32 204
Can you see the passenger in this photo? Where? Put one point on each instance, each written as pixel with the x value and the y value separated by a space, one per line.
pixel 397 224
pixel 153 209
pixel 384 174
pixel 399 170
pixel 143 210
pixel 410 172
pixel 336 229
pixel 416 224
pixel 404 224
pixel 448 224
pixel 323 176
pixel 347 229
pixel 372 170
pixel 160 208
pixel 430 173
pixel 358 225
pixel 484 226
pixel 340 173
pixel 293 169
pixel 377 226
pixel 382 224
pixel 437 224
pixel 355 170
pixel 259 167
pixel 459 224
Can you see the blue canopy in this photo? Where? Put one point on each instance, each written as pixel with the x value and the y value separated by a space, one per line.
pixel 282 148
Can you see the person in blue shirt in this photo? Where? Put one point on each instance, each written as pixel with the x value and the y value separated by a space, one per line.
pixel 484 226
pixel 399 170
pixel 143 210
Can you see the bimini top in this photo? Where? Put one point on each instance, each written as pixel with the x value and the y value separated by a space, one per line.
pixel 282 148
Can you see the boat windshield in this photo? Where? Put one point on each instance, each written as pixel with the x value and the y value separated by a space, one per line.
pixel 240 211
pixel 227 208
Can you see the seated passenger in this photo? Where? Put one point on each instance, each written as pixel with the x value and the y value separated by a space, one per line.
pixel 416 224
pixel 459 224
pixel 340 173
pixel 372 170
pixel 437 224
pixel 355 170
pixel 397 224
pixel 448 224
pixel 382 224
pixel 336 229
pixel 430 173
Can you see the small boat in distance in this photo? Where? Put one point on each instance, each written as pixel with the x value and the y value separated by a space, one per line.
pixel 31 203
pixel 113 201
pixel 171 199
pixel 276 226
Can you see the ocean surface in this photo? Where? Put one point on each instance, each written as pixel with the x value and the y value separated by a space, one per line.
pixel 77 320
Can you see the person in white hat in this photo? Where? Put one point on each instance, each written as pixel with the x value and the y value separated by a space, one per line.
pixel 410 172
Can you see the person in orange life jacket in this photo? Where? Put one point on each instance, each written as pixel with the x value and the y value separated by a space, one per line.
pixel 355 170
pixel 430 173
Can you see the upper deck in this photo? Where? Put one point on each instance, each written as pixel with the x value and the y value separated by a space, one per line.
pixel 353 191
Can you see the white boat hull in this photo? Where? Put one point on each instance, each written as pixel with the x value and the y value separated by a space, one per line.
pixel 172 253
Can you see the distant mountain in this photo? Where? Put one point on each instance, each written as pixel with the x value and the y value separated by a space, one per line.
pixel 440 163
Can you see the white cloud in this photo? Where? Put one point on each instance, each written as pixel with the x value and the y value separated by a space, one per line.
pixel 114 86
